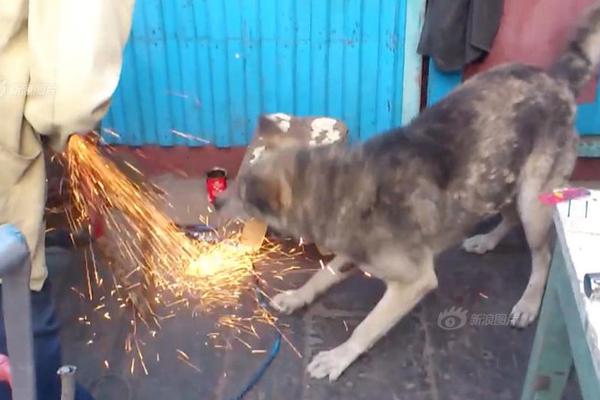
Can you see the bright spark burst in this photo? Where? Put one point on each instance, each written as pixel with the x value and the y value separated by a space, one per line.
pixel 156 262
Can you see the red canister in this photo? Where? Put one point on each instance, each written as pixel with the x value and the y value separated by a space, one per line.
pixel 216 182
pixel 97 223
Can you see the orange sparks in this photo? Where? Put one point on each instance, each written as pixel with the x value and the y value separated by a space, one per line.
pixel 214 274
pixel 189 364
pixel 182 354
pixel 154 261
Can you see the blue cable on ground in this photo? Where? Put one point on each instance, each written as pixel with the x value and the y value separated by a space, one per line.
pixel 263 368
pixel 270 357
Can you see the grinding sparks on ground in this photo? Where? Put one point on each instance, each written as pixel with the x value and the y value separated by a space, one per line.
pixel 183 357
pixel 156 263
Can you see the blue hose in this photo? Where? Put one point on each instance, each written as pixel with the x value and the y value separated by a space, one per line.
pixel 270 357
pixel 263 368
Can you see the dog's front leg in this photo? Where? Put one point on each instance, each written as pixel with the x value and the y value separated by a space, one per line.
pixel 291 300
pixel 398 300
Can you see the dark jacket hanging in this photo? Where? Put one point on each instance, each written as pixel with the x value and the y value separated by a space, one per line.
pixel 458 32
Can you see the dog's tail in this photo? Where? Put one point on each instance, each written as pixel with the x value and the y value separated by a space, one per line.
pixel 580 60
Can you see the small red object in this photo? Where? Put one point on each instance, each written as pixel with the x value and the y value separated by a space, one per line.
pixel 5 374
pixel 560 195
pixel 216 182
pixel 97 226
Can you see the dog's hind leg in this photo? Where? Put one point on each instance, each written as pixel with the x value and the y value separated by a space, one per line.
pixel 399 298
pixel 537 224
pixel 335 271
pixel 483 243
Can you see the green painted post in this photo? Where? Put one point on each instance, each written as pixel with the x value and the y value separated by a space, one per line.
pixel 551 360
pixel 589 383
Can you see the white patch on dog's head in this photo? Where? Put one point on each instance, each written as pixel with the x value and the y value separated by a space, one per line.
pixel 282 120
pixel 319 125
pixel 256 153
pixel 324 129
pixel 279 116
pixel 332 137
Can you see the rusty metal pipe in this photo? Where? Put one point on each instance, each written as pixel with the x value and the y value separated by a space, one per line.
pixel 67 382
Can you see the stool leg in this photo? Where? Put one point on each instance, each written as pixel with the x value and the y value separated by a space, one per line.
pixel 551 359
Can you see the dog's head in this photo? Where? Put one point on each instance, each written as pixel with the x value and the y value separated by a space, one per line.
pixel 263 188
pixel 263 191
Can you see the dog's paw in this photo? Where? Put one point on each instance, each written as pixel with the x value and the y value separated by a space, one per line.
pixel 479 244
pixel 332 363
pixel 288 302
pixel 524 313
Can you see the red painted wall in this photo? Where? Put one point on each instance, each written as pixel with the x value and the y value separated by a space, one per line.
pixel 535 32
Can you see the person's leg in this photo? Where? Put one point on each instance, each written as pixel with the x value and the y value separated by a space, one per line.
pixel 46 348
pixel 67 239
pixel 46 344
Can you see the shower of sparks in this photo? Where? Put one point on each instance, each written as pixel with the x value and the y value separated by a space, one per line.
pixel 154 263
pixel 111 133
pixel 189 136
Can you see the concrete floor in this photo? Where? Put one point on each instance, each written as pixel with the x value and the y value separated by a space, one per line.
pixel 417 360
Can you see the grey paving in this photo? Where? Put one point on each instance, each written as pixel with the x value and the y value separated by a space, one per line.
pixel 417 360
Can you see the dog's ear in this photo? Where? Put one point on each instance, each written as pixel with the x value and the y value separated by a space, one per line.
pixel 273 131
pixel 269 125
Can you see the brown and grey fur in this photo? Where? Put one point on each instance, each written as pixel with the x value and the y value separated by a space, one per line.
pixel 392 203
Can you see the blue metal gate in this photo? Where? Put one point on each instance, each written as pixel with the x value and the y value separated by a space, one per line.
pixel 203 70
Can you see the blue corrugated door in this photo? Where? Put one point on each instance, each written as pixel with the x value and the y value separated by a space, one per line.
pixel 198 71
